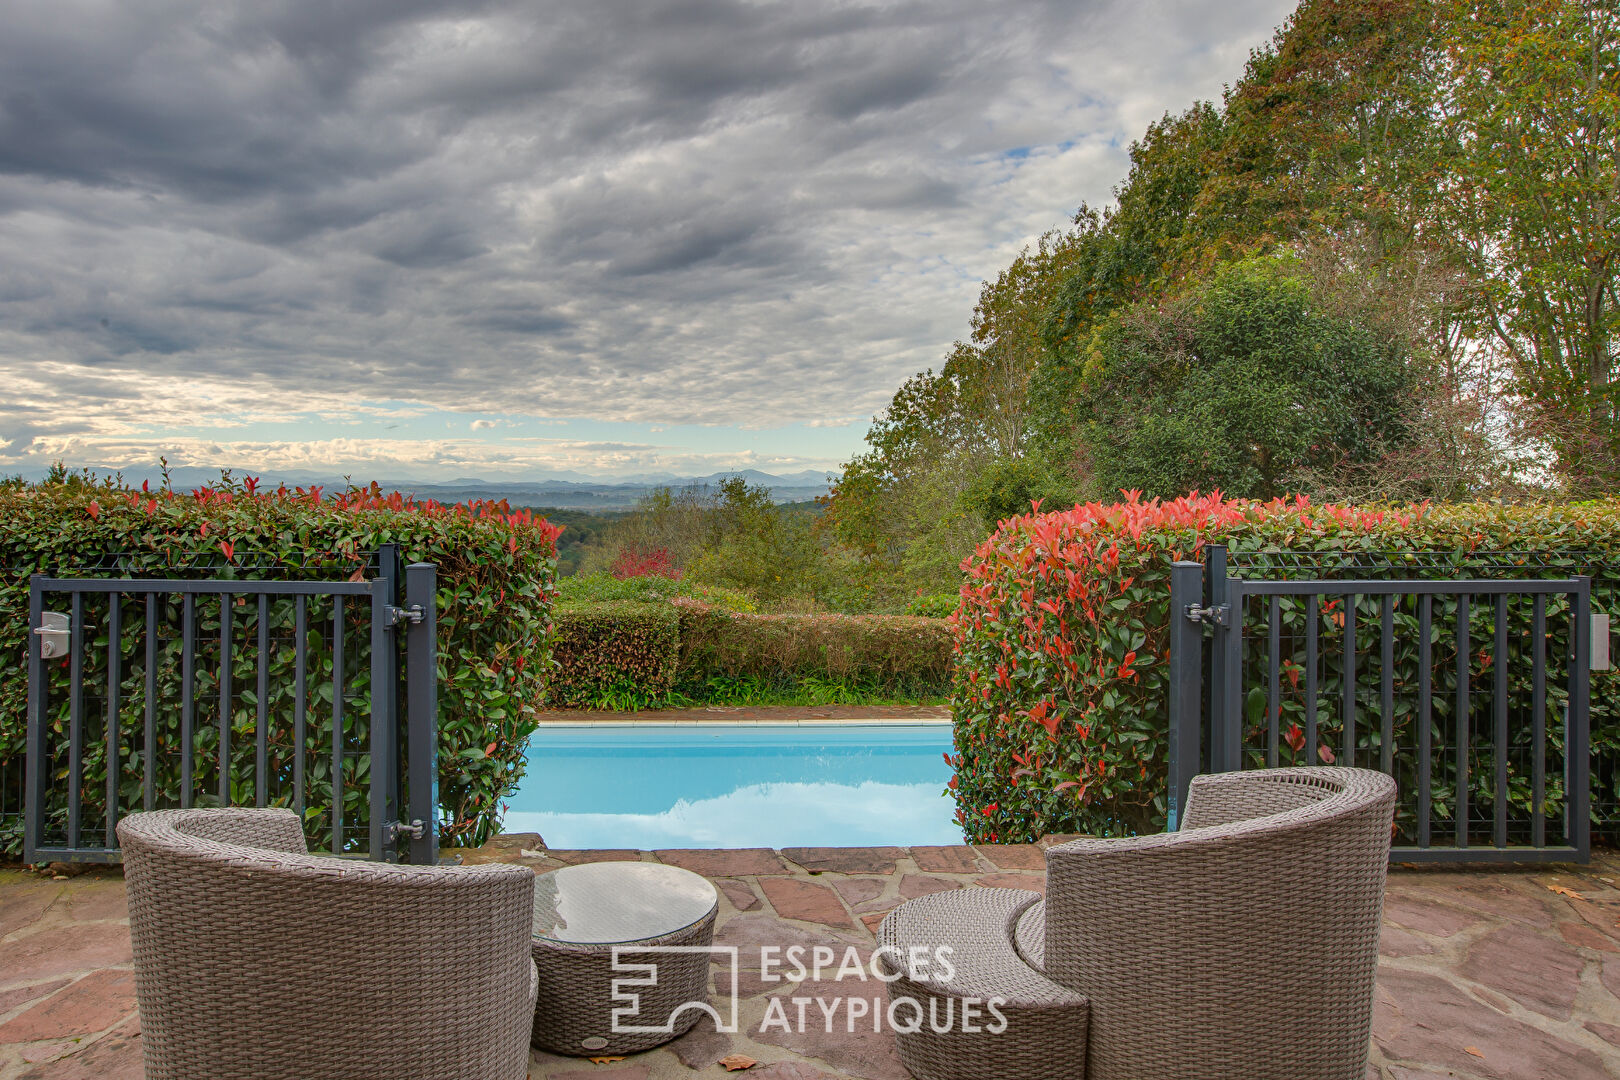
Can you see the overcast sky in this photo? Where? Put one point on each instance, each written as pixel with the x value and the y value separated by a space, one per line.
pixel 418 240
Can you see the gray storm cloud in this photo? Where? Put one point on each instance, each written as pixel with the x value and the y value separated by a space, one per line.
pixel 708 211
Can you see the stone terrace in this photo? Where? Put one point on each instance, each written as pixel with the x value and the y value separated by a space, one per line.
pixel 1505 975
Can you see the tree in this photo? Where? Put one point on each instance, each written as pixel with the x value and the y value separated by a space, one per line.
pixel 1236 385
pixel 1535 205
pixel 899 505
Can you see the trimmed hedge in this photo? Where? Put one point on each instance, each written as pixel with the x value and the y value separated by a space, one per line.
pixel 1059 692
pixel 495 586
pixel 878 649
pixel 606 647
pixel 652 649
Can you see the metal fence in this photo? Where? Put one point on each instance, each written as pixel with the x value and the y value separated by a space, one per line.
pixel 1472 692
pixel 146 693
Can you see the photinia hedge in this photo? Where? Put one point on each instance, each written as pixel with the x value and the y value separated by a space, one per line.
pixel 496 572
pixel 1060 687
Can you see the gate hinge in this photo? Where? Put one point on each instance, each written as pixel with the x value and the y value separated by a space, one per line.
pixel 413 615
pixel 416 830
pixel 1217 615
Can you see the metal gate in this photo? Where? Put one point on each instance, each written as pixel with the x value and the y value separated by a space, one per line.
pixel 1472 693
pixel 231 691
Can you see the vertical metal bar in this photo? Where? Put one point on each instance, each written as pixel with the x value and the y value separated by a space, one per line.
pixel 1464 736
pixel 381 722
pixel 1221 723
pixel 38 705
pixel 422 709
pixel 188 660
pixel 1425 719
pixel 115 677
pixel 1386 697
pixel 392 582
pixel 1186 690
pixel 75 715
pixel 337 724
pixel 261 723
pixel 1578 757
pixel 1499 662
pixel 1313 615
pixel 1274 665
pixel 149 747
pixel 1538 725
pixel 1348 676
pixel 300 700
pixel 1229 640
pixel 226 618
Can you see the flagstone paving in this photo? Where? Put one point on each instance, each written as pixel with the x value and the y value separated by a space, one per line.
pixel 1486 974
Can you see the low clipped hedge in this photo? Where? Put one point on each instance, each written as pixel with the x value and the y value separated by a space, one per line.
pixel 639 651
pixel 496 574
pixel 1060 689
pixel 602 648
pixel 877 649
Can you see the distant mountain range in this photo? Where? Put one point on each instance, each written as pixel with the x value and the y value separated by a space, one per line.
pixel 566 490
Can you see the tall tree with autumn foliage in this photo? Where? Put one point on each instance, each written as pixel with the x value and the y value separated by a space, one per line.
pixel 1534 205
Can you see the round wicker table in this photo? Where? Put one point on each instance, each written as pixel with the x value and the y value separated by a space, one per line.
pixel 598 924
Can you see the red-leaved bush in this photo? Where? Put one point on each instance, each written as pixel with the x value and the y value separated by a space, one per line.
pixel 634 564
pixel 1059 688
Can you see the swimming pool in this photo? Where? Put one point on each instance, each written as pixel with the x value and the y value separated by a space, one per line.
pixel 649 785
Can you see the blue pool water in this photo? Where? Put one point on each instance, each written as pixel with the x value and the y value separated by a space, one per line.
pixel 757 785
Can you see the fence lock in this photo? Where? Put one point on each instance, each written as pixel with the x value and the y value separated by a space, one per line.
pixel 53 636
pixel 413 614
pixel 396 829
pixel 1215 615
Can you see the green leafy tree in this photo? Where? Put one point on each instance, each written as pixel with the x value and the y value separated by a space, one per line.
pixel 1535 204
pixel 1237 385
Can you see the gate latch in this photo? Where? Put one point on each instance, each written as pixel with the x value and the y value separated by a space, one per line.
pixel 413 614
pixel 1216 615
pixel 416 830
pixel 53 636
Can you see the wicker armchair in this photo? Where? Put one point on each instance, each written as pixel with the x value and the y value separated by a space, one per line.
pixel 256 959
pixel 1243 945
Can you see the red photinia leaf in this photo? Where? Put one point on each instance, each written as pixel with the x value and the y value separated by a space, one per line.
pixel 1324 752
pixel 94 510
pixel 489 751
pixel 1294 737
pixel 229 549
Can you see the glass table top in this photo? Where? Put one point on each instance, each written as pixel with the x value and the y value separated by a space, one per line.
pixel 610 902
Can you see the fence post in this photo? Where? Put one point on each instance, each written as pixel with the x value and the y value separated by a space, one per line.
pixel 1214 596
pixel 422 711
pixel 384 805
pixel 34 778
pixel 1577 754
pixel 1186 686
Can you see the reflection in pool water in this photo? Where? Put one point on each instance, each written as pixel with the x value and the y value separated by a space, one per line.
pixel 691 785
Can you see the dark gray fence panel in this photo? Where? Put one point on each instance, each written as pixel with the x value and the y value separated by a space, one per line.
pixel 55 798
pixel 1483 725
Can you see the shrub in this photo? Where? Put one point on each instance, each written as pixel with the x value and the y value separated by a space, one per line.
pixel 655 563
pixel 936 606
pixel 624 654
pixel 879 650
pixel 495 588
pixel 596 588
pixel 1060 686
pixel 614 648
